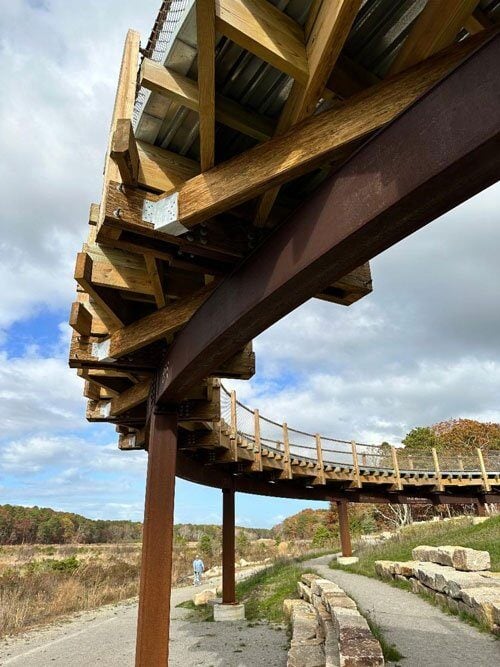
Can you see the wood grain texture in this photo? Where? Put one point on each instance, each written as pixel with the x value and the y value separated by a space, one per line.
pixel 80 319
pixel 205 31
pixel 185 91
pixel 435 28
pixel 124 151
pixel 265 31
pixel 130 398
pixel 313 142
pixel 163 170
pixel 329 31
pixel 83 276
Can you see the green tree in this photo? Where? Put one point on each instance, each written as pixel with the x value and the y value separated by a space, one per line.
pixel 322 537
pixel 242 543
pixel 205 546
pixel 421 439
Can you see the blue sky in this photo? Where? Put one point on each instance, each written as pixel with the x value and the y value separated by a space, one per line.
pixel 423 347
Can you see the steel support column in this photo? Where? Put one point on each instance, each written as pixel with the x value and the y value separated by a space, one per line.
pixel 228 554
pixel 156 570
pixel 345 536
pixel 481 508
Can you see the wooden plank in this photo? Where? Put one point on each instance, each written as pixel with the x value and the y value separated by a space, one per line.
pixel 130 398
pixel 313 142
pixel 257 441
pixel 350 288
pixel 124 103
pixel 355 465
pixel 287 461
pixel 320 470
pixel 106 274
pixel 83 276
pixel 124 151
pixel 185 91
pixel 155 279
pixel 153 327
pixel 435 28
pixel 163 170
pixel 265 31
pixel 234 426
pixel 332 24
pixel 395 466
pixel 205 31
pixel 80 319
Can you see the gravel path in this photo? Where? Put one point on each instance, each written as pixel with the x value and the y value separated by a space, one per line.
pixel 424 634
pixel 107 637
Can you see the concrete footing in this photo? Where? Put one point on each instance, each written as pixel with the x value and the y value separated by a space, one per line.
pixel 347 560
pixel 229 612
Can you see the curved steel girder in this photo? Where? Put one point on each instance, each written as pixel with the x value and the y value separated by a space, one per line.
pixel 438 153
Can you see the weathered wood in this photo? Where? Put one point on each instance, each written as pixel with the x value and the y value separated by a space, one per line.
pixel 350 288
pixel 205 30
pixel 287 461
pixel 437 470
pixel 333 22
pixel 163 170
pixel 155 279
pixel 395 467
pixel 258 443
pixel 310 144
pixel 130 398
pixel 80 319
pixel 83 276
pixel 241 366
pixel 435 28
pixel 482 467
pixel 124 151
pixel 165 321
pixel 320 470
pixel 355 465
pixel 262 29
pixel 185 91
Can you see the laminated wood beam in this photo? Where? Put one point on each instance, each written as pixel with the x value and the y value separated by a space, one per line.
pixel 98 327
pixel 153 327
pixel 106 273
pixel 155 279
pixel 261 28
pixel 350 288
pixel 130 398
pixel 313 142
pixel 124 151
pixel 332 23
pixel 241 366
pixel 108 306
pixel 435 28
pixel 163 170
pixel 166 82
pixel 205 31
pixel 80 319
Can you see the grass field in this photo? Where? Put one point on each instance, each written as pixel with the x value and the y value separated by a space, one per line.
pixel 485 536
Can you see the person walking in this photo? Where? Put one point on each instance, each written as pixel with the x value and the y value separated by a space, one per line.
pixel 198 569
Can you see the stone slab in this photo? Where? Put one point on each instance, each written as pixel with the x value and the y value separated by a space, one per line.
pixel 347 560
pixel 229 612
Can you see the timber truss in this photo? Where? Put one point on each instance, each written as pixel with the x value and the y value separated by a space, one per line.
pixel 261 153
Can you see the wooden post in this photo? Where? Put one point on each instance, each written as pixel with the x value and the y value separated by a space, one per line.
pixel 357 478
pixel 345 536
pixel 460 462
pixel 287 460
pixel 234 427
pixel 156 570
pixel 486 482
pixel 257 440
pixel 228 554
pixel 320 471
pixel 439 479
pixel 410 462
pixel 395 466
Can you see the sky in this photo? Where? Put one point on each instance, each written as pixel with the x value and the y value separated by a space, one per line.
pixel 421 348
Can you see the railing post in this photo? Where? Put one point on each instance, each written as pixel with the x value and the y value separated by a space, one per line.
pixel 395 466
pixel 363 459
pixel 460 463
pixel 439 479
pixel 357 478
pixel 287 460
pixel 411 465
pixel 257 441
pixel 234 427
pixel 320 471
pixel 486 482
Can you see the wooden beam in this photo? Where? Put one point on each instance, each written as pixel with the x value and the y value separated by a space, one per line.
pixel 261 28
pixel 310 144
pixel 98 326
pixel 124 151
pixel 80 319
pixel 350 288
pixel 130 398
pixel 155 279
pixel 435 28
pixel 153 327
pixel 205 31
pixel 329 31
pixel 131 278
pixel 185 92
pixel 83 276
pixel 320 471
pixel 163 170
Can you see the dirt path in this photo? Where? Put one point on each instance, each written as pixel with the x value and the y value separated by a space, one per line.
pixel 422 633
pixel 107 637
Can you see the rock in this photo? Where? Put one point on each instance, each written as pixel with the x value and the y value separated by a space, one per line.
pixel 204 597
pixel 418 587
pixel 347 618
pixel 452 583
pixel 476 520
pixel 341 600
pixel 400 577
pixel 319 585
pixel 405 568
pixel 484 603
pixel 444 555
pixel 359 648
pixel 428 573
pixel 422 553
pixel 496 612
pixel 347 560
pixel 306 656
pixel 289 606
pixel 304 623
pixel 304 591
pixel 471 560
pixel 308 578
pixel 229 612
pixel 384 568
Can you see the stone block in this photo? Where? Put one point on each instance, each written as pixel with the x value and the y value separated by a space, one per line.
pixel 304 624
pixel 452 583
pixel 331 600
pixel 496 612
pixel 308 578
pixel 347 618
pixel 347 560
pixel 484 603
pixel 290 605
pixel 320 585
pixel 304 591
pixel 204 597
pixel 384 569
pixel 423 553
pixel 306 656
pixel 229 612
pixel 429 573
pixel 359 648
pixel 471 560
pixel 418 587
pixel 476 520
pixel 405 568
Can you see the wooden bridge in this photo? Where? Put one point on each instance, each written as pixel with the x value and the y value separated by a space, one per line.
pixel 261 153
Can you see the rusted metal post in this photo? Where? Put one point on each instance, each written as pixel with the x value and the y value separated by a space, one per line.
pixel 228 555
pixel 156 570
pixel 481 508
pixel 345 536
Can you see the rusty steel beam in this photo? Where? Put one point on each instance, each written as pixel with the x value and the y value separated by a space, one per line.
pixel 157 542
pixel 228 554
pixel 438 153
pixel 344 532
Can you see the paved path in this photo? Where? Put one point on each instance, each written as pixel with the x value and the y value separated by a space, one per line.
pixel 425 635
pixel 107 637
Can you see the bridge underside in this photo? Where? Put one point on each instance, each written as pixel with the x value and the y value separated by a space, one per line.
pixel 262 160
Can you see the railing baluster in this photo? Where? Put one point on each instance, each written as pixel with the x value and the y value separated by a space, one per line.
pixel 258 443
pixel 234 426
pixel 287 460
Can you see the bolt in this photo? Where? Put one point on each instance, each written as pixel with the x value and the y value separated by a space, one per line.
pixel 118 213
